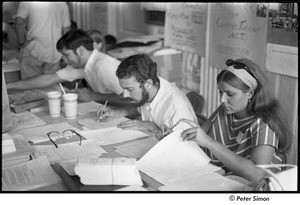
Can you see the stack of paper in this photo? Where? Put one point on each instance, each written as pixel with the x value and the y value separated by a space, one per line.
pixel 22 154
pixel 108 171
pixel 8 144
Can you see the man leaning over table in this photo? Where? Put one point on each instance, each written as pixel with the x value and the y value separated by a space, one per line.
pixel 159 103
pixel 84 62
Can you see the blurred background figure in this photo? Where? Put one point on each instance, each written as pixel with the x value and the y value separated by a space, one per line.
pixel 98 38
pixel 111 42
pixel 39 25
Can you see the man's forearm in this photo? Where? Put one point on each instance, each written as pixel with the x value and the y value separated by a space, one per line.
pixel 40 81
pixel 113 99
pixel 20 30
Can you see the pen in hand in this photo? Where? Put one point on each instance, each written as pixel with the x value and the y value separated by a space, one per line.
pixel 101 113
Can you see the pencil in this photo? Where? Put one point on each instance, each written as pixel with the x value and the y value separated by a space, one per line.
pixel 100 115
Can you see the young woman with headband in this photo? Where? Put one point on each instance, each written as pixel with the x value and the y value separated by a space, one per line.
pixel 247 128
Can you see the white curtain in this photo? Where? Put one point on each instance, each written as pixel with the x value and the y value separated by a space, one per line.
pixel 80 12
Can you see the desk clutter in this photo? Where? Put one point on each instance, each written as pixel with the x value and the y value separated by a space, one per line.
pixel 87 155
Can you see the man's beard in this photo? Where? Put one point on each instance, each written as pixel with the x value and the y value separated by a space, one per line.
pixel 145 98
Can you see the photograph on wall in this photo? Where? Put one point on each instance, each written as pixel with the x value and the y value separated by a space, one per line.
pixel 282 39
pixel 238 31
pixel 185 27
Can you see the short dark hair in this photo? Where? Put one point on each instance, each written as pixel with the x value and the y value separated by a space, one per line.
pixel 74 39
pixel 140 66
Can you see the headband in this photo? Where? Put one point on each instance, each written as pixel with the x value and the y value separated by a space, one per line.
pixel 244 76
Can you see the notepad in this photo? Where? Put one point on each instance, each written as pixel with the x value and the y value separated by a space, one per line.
pixel 108 171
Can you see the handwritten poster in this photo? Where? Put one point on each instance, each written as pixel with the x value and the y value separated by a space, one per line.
pixel 185 27
pixel 239 30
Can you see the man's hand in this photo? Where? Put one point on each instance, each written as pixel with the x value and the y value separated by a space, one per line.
pixel 139 125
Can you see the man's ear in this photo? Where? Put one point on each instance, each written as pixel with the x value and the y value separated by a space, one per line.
pixel 148 84
pixel 97 46
pixel 80 50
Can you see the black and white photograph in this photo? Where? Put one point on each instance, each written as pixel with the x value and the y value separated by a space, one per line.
pixel 150 102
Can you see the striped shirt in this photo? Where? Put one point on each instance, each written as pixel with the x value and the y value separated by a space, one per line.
pixel 241 135
pixel 168 106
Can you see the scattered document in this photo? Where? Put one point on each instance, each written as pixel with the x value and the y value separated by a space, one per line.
pixel 137 149
pixel 30 175
pixel 69 151
pixel 39 134
pixel 25 120
pixel 208 182
pixel 94 125
pixel 112 135
pixel 172 159
pixel 108 171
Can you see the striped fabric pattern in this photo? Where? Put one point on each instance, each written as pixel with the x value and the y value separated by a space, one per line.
pixel 242 135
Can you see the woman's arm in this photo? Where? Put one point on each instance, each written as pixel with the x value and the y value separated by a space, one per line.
pixel 241 166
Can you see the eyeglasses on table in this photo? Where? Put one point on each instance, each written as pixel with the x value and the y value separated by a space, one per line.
pixel 66 134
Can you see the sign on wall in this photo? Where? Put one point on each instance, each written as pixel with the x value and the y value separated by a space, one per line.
pixel 282 39
pixel 185 27
pixel 239 30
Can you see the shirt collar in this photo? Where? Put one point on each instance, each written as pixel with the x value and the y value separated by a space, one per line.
pixel 91 60
pixel 159 95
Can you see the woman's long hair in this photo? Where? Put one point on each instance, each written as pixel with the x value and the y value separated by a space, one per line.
pixel 261 104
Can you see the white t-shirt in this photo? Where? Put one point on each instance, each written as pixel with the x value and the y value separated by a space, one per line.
pixel 99 72
pixel 169 106
pixel 45 26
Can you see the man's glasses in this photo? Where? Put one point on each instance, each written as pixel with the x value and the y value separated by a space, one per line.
pixel 67 136
pixel 238 65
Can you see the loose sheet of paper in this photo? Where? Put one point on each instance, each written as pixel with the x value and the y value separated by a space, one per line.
pixel 30 175
pixel 25 120
pixel 39 134
pixel 172 158
pixel 94 125
pixel 69 151
pixel 208 182
pixel 111 135
pixel 137 149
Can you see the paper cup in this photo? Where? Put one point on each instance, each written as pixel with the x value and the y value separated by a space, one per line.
pixel 70 105
pixel 54 101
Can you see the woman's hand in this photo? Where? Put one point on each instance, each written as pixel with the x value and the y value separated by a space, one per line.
pixel 196 133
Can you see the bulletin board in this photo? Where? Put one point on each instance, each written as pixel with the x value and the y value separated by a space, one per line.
pixel 185 27
pixel 239 30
